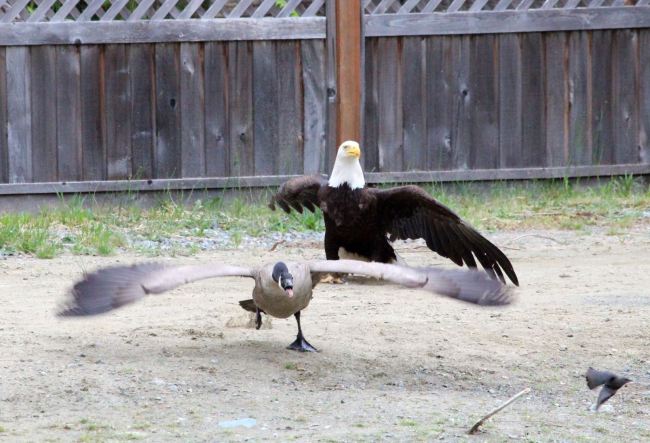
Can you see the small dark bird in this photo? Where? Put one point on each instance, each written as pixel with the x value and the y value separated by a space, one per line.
pixel 281 289
pixel 610 382
pixel 362 221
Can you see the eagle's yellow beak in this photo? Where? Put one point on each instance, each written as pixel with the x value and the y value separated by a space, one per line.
pixel 353 150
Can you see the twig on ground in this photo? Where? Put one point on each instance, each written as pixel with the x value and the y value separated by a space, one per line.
pixel 276 244
pixel 545 237
pixel 478 424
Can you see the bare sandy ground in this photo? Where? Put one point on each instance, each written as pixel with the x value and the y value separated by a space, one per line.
pixel 395 364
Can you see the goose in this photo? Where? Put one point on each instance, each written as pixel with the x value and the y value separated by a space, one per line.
pixel 281 289
pixel 362 221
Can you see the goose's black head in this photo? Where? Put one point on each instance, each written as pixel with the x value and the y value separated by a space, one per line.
pixel 283 278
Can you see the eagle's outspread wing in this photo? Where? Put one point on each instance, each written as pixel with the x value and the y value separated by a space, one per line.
pixel 465 285
pixel 408 212
pixel 299 192
pixel 110 288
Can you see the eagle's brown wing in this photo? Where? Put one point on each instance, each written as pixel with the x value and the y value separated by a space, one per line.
pixel 299 192
pixel 465 285
pixel 408 212
pixel 110 288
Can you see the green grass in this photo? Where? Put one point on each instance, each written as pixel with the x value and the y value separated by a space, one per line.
pixel 80 226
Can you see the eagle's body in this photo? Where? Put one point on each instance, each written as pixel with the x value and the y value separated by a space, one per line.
pixel 351 223
pixel 364 220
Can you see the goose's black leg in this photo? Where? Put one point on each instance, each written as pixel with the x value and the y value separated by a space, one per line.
pixel 300 344
pixel 258 318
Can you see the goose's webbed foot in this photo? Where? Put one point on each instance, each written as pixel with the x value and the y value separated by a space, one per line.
pixel 300 344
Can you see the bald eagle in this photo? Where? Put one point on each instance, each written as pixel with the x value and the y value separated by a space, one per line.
pixel 363 221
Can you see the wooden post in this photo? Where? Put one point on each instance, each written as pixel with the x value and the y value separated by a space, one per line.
pixel 348 62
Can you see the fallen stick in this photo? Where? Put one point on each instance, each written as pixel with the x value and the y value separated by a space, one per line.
pixel 276 244
pixel 478 424
pixel 545 237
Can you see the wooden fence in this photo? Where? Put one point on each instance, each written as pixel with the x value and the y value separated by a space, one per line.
pixel 110 95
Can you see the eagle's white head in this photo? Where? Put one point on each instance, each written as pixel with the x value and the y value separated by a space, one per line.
pixel 347 168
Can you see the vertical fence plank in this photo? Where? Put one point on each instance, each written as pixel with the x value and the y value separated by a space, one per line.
pixel 462 102
pixel 44 116
pixel 4 166
pixel 216 110
pixel 579 99
pixel 511 142
pixel 142 81
pixel 68 113
pixel 414 64
pixel 117 113
pixel 314 105
pixel 439 102
pixel 532 87
pixel 644 96
pixel 332 87
pixel 242 156
pixel 370 154
pixel 484 81
pixel 601 101
pixel 266 109
pixel 19 131
pixel 290 96
pixel 91 59
pixel 557 99
pixel 192 119
pixel 625 89
pixel 390 135
pixel 167 151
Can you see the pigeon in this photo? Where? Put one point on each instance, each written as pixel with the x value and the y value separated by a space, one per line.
pixel 610 382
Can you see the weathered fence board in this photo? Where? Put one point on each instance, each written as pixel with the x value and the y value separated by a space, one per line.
pixel 389 90
pixel 265 107
pixel 557 99
pixel 370 157
pixel 314 106
pixel 534 109
pixel 511 140
pixel 91 60
pixel 19 125
pixel 601 98
pixel 44 114
pixel 415 105
pixel 242 147
pixel 117 110
pixel 217 133
pixel 68 115
pixel 167 151
pixel 437 90
pixel 644 97
pixel 4 155
pixel 579 100
pixel 624 97
pixel 191 109
pixel 290 117
pixel 142 81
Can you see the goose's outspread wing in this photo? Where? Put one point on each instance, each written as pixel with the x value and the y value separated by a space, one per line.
pixel 110 288
pixel 466 285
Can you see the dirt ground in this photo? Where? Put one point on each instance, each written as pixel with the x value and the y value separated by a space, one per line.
pixel 394 364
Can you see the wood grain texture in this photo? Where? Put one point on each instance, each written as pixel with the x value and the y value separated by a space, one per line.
pixel 484 81
pixel 117 112
pixel 466 23
pixel 4 155
pixel 266 110
pixel 331 129
pixel 217 129
pixel 290 124
pixel 580 147
pixel 462 101
pixel 44 113
pixel 557 99
pixel 644 96
pixel 191 107
pixel 92 87
pixel 240 68
pixel 314 106
pixel 414 63
pixel 370 147
pixel 533 111
pixel 389 92
pixel 511 141
pixel 439 99
pixel 161 31
pixel 142 80
pixel 19 125
pixel 601 97
pixel 68 114
pixel 167 150
pixel 624 104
